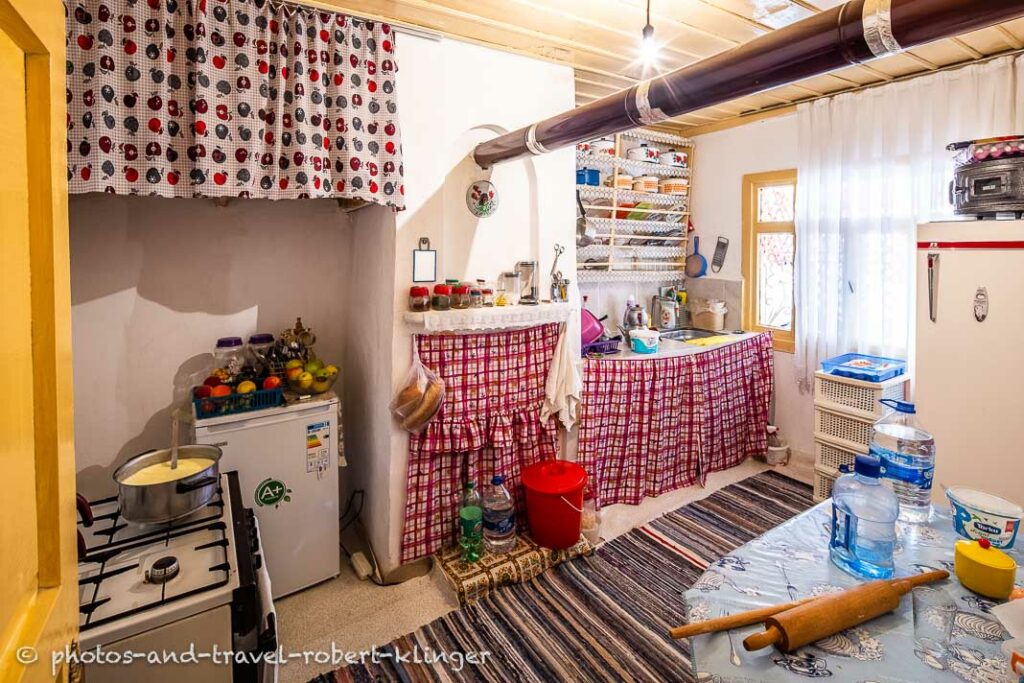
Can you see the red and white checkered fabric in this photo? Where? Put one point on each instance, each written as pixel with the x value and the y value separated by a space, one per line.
pixel 489 424
pixel 652 426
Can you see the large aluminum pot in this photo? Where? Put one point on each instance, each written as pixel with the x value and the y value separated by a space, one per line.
pixel 158 503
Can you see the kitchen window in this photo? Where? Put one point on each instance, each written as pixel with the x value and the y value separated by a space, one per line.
pixel 769 248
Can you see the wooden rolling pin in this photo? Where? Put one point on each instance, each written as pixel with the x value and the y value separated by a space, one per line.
pixel 830 614
pixel 731 621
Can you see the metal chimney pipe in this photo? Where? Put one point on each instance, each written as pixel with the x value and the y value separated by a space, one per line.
pixel 855 32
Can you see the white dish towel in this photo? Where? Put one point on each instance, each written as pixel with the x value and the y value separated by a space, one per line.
pixel 563 386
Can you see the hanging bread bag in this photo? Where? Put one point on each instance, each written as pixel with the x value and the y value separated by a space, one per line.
pixel 420 397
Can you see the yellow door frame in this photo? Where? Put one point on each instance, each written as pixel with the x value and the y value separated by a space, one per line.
pixel 46 619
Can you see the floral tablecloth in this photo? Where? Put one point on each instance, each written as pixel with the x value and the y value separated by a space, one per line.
pixel 791 562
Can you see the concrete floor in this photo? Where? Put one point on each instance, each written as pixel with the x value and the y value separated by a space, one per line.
pixel 353 615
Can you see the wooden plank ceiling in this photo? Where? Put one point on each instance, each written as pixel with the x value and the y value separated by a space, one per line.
pixel 600 39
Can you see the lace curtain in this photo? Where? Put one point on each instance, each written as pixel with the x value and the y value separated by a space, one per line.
pixel 872 166
pixel 231 98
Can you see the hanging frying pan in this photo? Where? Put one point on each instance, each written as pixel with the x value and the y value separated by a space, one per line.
pixel 696 265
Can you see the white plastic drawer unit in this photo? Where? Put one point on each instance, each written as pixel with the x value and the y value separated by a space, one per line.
pixel 287 462
pixel 841 394
pixel 847 430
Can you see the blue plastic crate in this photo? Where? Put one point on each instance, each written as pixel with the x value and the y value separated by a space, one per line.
pixel 864 367
pixel 215 406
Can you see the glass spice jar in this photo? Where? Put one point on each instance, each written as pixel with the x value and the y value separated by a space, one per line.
pixel 488 296
pixel 442 300
pixel 476 297
pixel 419 299
pixel 460 296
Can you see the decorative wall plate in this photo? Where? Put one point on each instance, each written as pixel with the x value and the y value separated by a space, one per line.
pixel 482 198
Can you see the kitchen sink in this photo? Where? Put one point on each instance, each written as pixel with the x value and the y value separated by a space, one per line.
pixel 686 333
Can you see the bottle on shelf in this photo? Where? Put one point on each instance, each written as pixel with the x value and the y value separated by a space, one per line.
pixel 863 522
pixel 471 528
pixel 499 517
pixel 907 453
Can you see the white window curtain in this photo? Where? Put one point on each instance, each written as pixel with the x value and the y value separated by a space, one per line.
pixel 872 166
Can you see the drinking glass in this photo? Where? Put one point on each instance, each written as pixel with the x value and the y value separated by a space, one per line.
pixel 934 611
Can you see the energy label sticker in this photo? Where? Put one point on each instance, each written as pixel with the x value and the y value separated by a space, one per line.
pixel 318 446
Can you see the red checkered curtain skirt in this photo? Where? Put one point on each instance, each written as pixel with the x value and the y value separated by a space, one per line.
pixel 652 426
pixel 489 424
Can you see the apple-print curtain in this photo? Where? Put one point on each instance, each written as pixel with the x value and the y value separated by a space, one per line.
pixel 231 98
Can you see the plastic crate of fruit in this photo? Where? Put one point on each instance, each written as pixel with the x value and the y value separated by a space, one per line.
pixel 864 367
pixel 215 406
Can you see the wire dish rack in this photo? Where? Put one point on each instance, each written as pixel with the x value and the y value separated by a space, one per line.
pixel 641 236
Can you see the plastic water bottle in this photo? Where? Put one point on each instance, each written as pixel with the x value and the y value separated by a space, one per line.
pixel 863 522
pixel 499 517
pixel 907 453
pixel 471 526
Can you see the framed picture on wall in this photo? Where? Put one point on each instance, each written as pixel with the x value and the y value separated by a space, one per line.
pixel 424 262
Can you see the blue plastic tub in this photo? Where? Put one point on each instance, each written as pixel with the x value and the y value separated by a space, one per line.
pixel 864 367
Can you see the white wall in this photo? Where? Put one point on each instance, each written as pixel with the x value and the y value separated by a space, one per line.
pixel 452 95
pixel 155 282
pixel 721 161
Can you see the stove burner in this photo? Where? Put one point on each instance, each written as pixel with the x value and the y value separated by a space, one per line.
pixel 163 570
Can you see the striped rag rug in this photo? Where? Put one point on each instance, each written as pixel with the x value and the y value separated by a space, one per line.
pixel 604 617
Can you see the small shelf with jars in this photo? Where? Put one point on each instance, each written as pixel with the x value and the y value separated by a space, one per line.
pixel 634 189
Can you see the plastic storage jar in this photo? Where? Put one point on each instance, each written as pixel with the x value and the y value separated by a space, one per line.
pixel 419 299
pixel 442 300
pixel 230 355
pixel 260 346
pixel 460 296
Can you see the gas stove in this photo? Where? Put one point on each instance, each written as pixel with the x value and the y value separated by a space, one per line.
pixel 199 579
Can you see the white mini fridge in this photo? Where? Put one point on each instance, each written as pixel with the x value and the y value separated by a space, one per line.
pixel 287 463
pixel 969 373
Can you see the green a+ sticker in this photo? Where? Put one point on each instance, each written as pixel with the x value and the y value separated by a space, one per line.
pixel 272 492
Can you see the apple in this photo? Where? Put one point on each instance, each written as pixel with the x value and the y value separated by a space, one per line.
pixel 272 382
pixel 293 363
pixel 211 381
pixel 221 390
pixel 314 365
pixel 293 374
pixel 332 370
pixel 304 380
pixel 202 391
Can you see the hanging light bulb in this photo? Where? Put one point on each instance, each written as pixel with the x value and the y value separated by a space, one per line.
pixel 648 48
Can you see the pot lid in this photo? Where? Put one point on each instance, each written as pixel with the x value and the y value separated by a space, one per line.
pixel 554 476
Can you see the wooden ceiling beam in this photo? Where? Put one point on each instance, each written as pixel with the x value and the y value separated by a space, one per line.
pixel 1012 40
pixel 967 48
pixel 659 17
pixel 571 17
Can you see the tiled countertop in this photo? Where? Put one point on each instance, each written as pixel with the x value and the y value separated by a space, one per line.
pixel 670 348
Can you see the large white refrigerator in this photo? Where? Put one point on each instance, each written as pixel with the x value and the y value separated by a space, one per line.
pixel 970 353
pixel 287 462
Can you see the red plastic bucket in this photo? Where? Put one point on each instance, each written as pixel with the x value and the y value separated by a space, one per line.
pixel 554 502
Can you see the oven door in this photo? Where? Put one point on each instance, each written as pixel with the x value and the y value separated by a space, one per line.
pixel 268 641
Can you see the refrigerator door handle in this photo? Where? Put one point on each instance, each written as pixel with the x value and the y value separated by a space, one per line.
pixel 933 284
